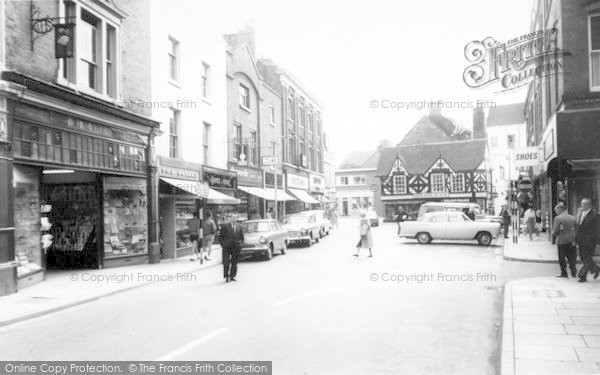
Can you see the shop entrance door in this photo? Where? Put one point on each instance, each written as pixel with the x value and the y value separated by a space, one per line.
pixel 76 221
pixel 345 207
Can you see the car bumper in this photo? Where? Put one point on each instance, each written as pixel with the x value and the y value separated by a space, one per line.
pixel 299 238
pixel 250 251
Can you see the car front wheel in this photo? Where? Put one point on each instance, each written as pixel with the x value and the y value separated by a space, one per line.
pixel 484 238
pixel 316 238
pixel 270 252
pixel 423 238
pixel 283 247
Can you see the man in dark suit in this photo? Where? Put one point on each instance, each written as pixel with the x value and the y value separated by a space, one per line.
pixel 587 237
pixel 232 237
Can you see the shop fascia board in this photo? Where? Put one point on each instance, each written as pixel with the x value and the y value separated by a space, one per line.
pixel 46 102
pixel 75 102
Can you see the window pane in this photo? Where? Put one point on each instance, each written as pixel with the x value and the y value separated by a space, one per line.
pixel 595 32
pixel 595 68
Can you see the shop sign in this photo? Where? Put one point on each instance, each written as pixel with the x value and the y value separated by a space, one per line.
pixel 124 183
pixel 295 181
pixel 317 184
pixel 527 157
pixel 247 176
pixel 269 160
pixel 179 173
pixel 219 178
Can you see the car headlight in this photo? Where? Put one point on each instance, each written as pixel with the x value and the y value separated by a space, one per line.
pixel 262 240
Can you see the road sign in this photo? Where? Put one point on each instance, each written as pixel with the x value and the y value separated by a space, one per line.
pixel 269 160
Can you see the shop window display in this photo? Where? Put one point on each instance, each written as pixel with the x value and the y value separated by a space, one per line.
pixel 27 220
pixel 183 213
pixel 74 216
pixel 125 217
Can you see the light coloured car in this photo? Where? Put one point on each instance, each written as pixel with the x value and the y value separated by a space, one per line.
pixel 321 219
pixel 263 237
pixel 302 229
pixel 449 225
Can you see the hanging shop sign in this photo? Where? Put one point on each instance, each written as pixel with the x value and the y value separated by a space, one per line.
pixel 527 157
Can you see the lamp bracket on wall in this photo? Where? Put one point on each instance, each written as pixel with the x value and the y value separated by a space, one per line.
pixel 42 25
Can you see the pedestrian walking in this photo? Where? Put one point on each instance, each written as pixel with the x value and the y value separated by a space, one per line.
pixel 564 231
pixel 334 218
pixel 366 238
pixel 193 225
pixel 539 222
pixel 587 236
pixel 505 220
pixel 529 218
pixel 232 237
pixel 209 230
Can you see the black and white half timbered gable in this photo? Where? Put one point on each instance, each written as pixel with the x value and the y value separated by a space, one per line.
pixel 396 182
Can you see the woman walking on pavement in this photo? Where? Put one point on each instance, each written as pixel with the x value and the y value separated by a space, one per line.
pixel 366 238
pixel 529 217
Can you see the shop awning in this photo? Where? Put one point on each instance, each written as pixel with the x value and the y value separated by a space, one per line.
pixel 256 191
pixel 303 196
pixel 214 197
pixel 281 195
pixel 187 186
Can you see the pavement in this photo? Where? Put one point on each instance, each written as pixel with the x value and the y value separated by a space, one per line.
pixel 550 325
pixel 63 289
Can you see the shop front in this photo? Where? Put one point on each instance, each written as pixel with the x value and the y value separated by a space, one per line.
pixel 353 201
pixel 80 177
pixel 221 186
pixel 180 197
pixel 250 190
pixel 570 162
pixel 277 194
pixel 298 187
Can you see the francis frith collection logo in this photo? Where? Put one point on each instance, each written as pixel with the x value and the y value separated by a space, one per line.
pixel 515 63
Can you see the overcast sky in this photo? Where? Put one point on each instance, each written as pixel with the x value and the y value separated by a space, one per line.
pixel 351 53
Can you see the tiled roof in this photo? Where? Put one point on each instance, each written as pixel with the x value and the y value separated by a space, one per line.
pixel 509 114
pixel 417 159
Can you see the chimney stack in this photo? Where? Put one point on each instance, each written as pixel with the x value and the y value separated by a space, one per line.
pixel 244 36
pixel 479 130
pixel 384 143
pixel 434 109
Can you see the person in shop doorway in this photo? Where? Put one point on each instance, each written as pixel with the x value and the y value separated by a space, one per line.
pixel 564 232
pixel 366 238
pixel 209 230
pixel 232 237
pixel 506 220
pixel 588 223
pixel 194 228
pixel 270 214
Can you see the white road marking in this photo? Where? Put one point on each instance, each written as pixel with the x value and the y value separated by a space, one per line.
pixel 192 345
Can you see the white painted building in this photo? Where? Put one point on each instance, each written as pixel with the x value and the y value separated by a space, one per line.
pixel 189 87
pixel 506 131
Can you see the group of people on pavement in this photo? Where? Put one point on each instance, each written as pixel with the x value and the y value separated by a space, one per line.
pixel 582 231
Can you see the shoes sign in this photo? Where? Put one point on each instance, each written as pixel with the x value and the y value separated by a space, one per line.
pixel 527 157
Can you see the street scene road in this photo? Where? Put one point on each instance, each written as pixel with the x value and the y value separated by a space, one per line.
pixel 410 308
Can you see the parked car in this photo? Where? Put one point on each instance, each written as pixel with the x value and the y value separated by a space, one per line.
pixel 450 206
pixel 263 237
pixel 449 225
pixel 302 229
pixel 373 218
pixel 322 221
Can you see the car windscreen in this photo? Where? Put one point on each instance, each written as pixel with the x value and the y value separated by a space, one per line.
pixel 255 227
pixel 300 219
